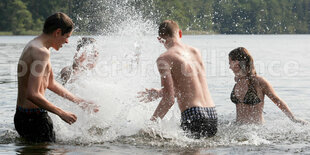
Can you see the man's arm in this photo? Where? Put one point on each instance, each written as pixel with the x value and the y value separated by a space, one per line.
pixel 167 89
pixel 35 83
pixel 63 92
pixel 270 92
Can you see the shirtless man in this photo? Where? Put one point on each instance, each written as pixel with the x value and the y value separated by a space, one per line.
pixel 35 75
pixel 183 76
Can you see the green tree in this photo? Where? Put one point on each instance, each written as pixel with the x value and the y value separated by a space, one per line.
pixel 223 16
pixel 20 19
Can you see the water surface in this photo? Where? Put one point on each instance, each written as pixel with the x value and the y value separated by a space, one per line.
pixel 122 126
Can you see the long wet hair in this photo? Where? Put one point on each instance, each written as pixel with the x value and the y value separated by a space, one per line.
pixel 246 62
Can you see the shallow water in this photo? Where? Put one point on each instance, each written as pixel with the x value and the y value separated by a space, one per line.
pixel 122 125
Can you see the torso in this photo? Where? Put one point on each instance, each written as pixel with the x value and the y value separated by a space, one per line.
pixel 189 78
pixel 249 113
pixel 24 70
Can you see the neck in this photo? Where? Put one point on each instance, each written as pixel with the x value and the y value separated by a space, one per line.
pixel 46 40
pixel 170 42
pixel 239 76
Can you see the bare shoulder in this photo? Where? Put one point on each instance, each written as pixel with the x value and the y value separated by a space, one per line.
pixel 65 70
pixel 65 73
pixel 166 60
pixel 166 56
pixel 260 79
pixel 163 60
pixel 37 51
pixel 263 83
pixel 194 50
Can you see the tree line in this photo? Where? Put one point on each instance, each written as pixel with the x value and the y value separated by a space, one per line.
pixel 216 16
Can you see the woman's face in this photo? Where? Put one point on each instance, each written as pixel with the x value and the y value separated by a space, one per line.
pixel 234 65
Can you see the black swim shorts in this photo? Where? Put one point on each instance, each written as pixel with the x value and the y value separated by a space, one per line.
pixel 34 125
pixel 199 121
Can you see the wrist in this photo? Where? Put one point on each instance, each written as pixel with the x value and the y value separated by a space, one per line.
pixel 153 118
pixel 78 101
pixel 59 111
pixel 293 118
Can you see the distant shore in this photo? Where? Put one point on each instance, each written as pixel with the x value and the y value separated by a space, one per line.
pixel 189 32
pixel 25 33
pixel 33 33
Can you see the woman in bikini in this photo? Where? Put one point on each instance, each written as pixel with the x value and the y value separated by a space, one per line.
pixel 250 89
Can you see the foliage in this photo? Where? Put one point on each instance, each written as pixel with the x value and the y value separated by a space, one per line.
pixel 221 16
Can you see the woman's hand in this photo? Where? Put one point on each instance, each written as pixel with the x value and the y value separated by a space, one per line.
pixel 297 120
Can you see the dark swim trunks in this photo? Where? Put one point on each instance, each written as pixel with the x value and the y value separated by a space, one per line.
pixel 34 125
pixel 200 121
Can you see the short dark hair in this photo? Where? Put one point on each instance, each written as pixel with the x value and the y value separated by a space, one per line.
pixel 168 28
pixel 58 20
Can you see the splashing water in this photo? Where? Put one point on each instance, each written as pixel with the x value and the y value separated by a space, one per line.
pixel 123 69
pixel 126 65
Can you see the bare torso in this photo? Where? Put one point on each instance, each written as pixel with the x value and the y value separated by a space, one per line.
pixel 249 113
pixel 189 77
pixel 26 67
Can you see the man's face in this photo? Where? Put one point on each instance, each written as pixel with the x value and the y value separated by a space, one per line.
pixel 61 39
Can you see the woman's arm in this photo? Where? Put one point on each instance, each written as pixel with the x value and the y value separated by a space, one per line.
pixel 270 92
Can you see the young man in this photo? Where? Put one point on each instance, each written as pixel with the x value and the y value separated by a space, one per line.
pixel 183 76
pixel 35 75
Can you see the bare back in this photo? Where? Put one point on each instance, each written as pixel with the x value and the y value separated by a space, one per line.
pixel 189 77
pixel 32 65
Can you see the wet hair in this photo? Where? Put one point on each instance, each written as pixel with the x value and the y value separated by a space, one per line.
pixel 246 62
pixel 58 20
pixel 84 42
pixel 168 28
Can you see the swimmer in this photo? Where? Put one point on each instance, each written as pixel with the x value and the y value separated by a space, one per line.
pixel 35 75
pixel 249 92
pixel 183 76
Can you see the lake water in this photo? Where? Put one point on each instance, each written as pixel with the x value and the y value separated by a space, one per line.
pixel 122 125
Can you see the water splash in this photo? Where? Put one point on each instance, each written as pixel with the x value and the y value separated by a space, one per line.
pixel 126 66
pixel 113 85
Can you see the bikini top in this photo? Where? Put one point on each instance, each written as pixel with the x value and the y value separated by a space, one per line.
pixel 250 97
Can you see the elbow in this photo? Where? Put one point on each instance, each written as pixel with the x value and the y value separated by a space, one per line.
pixel 33 97
pixel 51 86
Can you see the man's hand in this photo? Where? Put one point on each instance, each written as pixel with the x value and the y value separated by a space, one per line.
pixel 149 95
pixel 68 117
